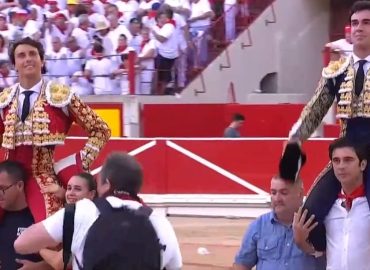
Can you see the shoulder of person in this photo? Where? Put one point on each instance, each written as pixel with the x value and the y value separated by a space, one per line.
pixel 7 95
pixel 58 95
pixel 336 68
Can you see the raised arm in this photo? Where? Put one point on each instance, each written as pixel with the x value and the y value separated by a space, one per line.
pixel 324 96
pixel 313 112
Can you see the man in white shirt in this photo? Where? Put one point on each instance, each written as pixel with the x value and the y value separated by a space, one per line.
pixel 57 62
pixel 199 24
pixel 116 30
pixel 128 8
pixel 81 33
pixel 102 29
pixel 75 56
pixel 344 46
pixel 348 222
pixel 119 182
pixel 168 48
pixel 7 76
pixel 100 70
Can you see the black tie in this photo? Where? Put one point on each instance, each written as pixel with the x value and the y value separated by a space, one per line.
pixel 26 105
pixel 360 77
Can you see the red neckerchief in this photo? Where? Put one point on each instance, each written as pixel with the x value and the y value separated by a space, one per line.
pixel 5 28
pixel 169 21
pixel 121 49
pixel 127 197
pixel 358 192
pixel 152 14
pixel 143 43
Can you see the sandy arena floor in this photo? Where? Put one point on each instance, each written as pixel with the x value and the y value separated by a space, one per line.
pixel 220 236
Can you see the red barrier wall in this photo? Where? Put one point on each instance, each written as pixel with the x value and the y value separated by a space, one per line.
pixel 210 120
pixel 168 170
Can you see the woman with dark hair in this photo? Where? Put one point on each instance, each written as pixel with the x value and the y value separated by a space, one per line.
pixel 81 186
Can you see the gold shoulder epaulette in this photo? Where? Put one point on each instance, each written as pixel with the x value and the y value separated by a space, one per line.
pixel 6 96
pixel 58 95
pixel 336 68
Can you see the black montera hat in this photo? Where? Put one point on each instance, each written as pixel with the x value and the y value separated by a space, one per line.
pixel 291 162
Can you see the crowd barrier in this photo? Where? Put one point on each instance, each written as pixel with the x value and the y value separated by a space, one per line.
pixel 207 166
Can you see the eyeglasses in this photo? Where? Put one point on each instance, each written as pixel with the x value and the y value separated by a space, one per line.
pixel 2 190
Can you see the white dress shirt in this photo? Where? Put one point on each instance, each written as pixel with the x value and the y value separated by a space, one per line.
pixel 348 236
pixel 33 97
pixel 356 59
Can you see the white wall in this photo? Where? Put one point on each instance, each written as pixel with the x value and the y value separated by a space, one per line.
pixel 291 47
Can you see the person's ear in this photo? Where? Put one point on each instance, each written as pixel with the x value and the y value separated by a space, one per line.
pixel 363 164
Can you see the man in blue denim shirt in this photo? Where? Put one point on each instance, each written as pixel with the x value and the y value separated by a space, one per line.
pixel 268 242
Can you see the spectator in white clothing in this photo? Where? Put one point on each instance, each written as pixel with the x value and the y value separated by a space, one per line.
pixel 116 29
pixel 81 33
pixel 57 62
pixel 344 46
pixel 146 59
pixel 3 49
pixel 146 6
pixel 120 181
pixel 4 28
pixel 80 85
pixel 128 8
pixel 75 56
pixel 149 20
pixel 168 49
pixel 100 71
pixel 121 66
pixel 134 39
pixel 199 23
pixel 94 17
pixel 7 76
pixel 102 29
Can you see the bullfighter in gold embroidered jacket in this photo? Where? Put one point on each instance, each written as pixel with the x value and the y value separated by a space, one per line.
pixel 31 129
pixel 347 81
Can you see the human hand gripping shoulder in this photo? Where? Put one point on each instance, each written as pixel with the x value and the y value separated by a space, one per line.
pixel 320 103
pixel 301 230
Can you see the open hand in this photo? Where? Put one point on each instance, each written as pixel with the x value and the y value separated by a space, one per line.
pixel 301 227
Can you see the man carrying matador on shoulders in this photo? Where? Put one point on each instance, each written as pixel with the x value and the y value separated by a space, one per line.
pixel 348 82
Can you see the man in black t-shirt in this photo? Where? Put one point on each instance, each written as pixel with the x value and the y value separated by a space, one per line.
pixel 15 219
